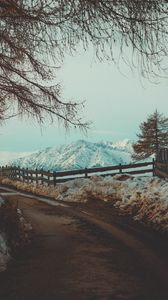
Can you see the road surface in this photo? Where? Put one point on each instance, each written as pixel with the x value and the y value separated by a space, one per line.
pixel 85 252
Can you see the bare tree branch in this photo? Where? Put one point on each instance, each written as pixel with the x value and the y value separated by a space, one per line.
pixel 32 31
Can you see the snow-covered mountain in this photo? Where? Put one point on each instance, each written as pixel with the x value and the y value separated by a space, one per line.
pixel 6 156
pixel 78 155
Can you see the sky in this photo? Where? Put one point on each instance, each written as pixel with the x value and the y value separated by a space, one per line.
pixel 117 101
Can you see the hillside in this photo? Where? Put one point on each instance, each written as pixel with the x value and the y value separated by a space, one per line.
pixel 77 155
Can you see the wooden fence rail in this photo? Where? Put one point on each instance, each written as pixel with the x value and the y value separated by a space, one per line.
pixel 52 178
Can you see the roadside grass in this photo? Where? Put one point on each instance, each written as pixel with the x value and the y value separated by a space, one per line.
pixel 143 198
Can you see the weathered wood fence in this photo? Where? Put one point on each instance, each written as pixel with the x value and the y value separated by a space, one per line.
pixel 52 178
pixel 162 155
pixel 161 164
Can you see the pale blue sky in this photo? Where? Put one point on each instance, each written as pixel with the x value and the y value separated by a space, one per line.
pixel 116 104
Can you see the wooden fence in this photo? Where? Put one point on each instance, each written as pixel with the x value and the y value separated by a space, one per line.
pixel 161 169
pixel 51 178
pixel 161 164
pixel 162 155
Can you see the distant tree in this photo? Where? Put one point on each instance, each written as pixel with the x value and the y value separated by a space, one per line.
pixel 33 31
pixel 153 136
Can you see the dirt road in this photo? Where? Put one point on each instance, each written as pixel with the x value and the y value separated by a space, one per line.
pixel 85 252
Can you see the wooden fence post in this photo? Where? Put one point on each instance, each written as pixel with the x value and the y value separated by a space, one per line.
pixel 153 166
pixel 36 176
pixel 31 175
pixel 86 174
pixel 27 174
pixel 42 181
pixel 6 171
pixel 19 172
pixel 166 150
pixel 48 178
pixel 14 173
pixel 23 173
pixel 55 178
pixel 9 172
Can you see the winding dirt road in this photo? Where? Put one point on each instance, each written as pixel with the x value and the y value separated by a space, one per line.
pixel 85 252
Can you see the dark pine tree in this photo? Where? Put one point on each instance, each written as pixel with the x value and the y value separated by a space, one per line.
pixel 152 137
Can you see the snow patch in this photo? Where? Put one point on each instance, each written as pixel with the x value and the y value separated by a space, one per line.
pixel 144 198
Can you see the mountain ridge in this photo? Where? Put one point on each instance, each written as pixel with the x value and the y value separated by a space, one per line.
pixel 78 155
